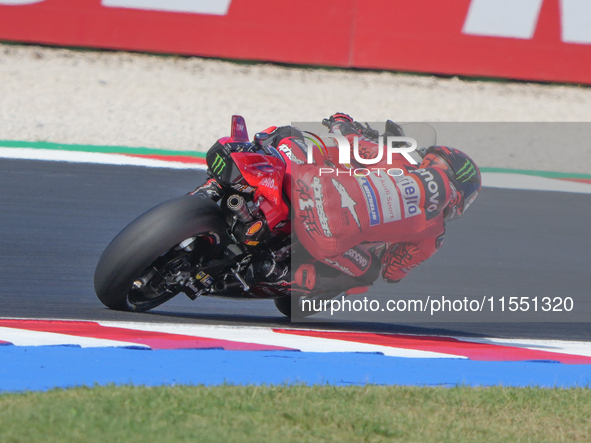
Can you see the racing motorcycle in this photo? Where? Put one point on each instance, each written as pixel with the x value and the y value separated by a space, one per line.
pixel 230 238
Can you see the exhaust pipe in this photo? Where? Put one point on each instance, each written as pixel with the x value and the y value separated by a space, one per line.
pixel 237 205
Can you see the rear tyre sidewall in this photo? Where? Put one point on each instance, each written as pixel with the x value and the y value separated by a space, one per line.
pixel 147 238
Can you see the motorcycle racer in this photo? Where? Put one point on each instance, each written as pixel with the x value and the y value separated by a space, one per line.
pixel 339 216
pixel 288 214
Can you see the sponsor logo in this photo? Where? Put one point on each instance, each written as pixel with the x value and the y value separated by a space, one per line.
pixel 340 267
pixel 466 172
pixel 287 151
pixel 254 228
pixel 268 182
pixel 317 187
pixel 205 279
pixel 306 205
pixel 243 188
pixel 218 165
pixel 389 200
pixel 358 257
pixel 434 189
pixel 346 201
pixel 411 196
pixel 370 200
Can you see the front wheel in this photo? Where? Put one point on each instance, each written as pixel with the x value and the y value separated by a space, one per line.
pixel 133 273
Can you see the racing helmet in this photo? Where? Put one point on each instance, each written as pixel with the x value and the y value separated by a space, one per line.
pixel 464 177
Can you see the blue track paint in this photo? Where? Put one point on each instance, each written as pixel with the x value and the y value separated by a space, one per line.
pixel 42 368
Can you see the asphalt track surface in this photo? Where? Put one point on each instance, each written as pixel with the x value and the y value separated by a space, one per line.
pixel 57 218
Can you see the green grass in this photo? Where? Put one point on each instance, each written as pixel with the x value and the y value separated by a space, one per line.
pixel 296 414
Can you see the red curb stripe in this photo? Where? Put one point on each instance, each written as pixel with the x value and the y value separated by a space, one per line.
pixel 155 340
pixel 578 180
pixel 445 345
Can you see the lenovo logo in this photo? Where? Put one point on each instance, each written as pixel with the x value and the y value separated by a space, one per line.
pixel 519 18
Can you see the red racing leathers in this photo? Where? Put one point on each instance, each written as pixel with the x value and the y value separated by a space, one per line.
pixel 336 212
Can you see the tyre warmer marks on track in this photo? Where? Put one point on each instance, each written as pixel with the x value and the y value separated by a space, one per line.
pixel 87 353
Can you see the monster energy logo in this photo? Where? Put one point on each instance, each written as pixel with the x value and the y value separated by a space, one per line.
pixel 466 172
pixel 218 165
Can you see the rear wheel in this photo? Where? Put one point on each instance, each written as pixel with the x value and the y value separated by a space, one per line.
pixel 144 265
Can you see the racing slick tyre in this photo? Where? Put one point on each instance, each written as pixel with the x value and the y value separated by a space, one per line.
pixel 146 249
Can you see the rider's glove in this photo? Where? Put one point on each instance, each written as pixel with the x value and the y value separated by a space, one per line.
pixel 367 131
pixel 340 117
pixel 305 276
pixel 342 124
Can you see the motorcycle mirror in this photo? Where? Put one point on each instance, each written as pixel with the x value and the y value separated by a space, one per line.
pixel 259 138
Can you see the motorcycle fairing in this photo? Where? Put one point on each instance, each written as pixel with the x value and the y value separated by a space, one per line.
pixel 265 173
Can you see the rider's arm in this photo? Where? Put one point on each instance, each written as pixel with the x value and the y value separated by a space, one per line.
pixel 400 258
